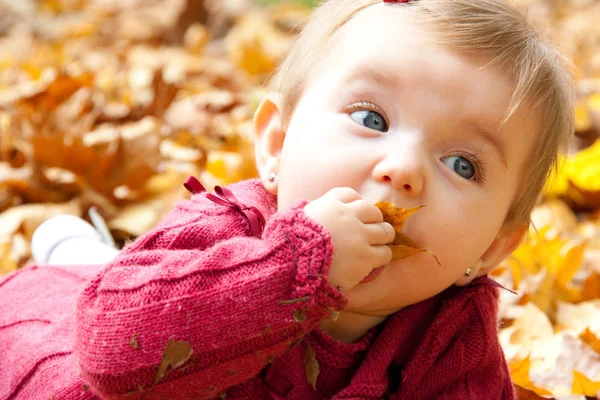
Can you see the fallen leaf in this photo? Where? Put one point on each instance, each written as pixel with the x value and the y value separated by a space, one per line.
pixel 577 178
pixel 589 338
pixel 524 394
pixel 519 371
pixel 299 315
pixel 311 365
pixel 294 301
pixel 175 355
pixel 7 263
pixel 28 217
pixel 583 385
pixel 134 342
pixel 591 287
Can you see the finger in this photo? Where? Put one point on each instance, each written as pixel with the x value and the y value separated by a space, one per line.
pixel 366 212
pixel 380 256
pixel 344 194
pixel 380 233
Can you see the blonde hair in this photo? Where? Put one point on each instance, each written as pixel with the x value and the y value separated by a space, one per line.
pixel 489 28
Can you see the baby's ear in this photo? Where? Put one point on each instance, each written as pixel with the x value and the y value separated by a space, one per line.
pixel 269 134
pixel 500 248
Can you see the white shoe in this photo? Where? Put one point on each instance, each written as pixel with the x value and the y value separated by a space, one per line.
pixel 69 240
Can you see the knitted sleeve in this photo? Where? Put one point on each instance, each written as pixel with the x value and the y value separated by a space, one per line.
pixel 235 302
pixel 461 357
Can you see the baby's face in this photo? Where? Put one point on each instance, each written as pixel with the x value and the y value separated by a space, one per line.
pixel 398 118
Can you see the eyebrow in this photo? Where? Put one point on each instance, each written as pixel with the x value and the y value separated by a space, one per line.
pixel 490 138
pixel 374 75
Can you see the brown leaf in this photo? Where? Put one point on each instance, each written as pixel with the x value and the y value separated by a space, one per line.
pixel 299 315
pixel 402 246
pixel 175 355
pixel 525 394
pixel 28 217
pixel 133 342
pixel 311 365
pixel 294 301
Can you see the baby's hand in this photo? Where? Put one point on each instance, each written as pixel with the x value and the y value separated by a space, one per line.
pixel 358 233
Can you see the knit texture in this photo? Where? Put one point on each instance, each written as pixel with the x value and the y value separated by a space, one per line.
pixel 249 307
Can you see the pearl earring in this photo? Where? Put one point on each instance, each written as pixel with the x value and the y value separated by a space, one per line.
pixel 272 177
pixel 469 272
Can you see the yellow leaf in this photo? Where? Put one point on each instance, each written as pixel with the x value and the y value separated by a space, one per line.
pixel 544 295
pixel 519 371
pixel 583 121
pixel 558 182
pixel 577 177
pixel 396 216
pixel 568 262
pixel 7 264
pixel 217 168
pixel 584 386
pixel 402 246
pixel 584 168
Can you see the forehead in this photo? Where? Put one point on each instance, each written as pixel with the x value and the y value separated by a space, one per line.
pixel 391 41
pixel 389 46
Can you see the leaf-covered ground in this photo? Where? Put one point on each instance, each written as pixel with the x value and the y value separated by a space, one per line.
pixel 112 104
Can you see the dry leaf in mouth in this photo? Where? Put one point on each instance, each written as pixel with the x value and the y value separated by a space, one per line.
pixel 402 246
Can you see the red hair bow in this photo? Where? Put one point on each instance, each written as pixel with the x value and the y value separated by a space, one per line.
pixel 396 1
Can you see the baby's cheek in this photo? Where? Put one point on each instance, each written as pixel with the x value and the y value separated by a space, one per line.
pixel 462 241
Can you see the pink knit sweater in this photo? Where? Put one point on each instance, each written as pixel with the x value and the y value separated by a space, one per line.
pixel 248 306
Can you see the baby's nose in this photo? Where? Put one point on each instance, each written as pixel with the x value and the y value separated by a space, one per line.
pixel 404 172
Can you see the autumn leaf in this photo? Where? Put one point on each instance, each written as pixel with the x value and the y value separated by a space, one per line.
pixel 402 246
pixel 519 371
pixel 591 287
pixel 584 386
pixel 134 341
pixel 311 365
pixel 577 178
pixel 524 394
pixel 589 338
pixel 174 356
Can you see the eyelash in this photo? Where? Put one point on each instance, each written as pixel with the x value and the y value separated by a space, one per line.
pixel 478 163
pixel 367 105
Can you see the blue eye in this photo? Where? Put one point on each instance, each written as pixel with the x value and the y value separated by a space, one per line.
pixel 461 166
pixel 370 119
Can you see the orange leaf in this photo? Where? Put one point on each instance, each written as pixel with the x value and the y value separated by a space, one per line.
pixel 589 338
pixel 591 287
